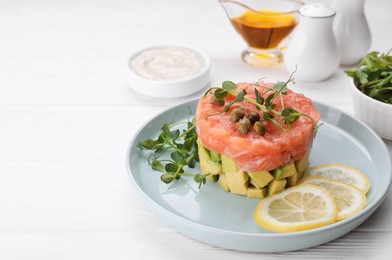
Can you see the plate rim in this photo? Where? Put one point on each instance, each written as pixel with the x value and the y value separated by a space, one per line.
pixel 200 226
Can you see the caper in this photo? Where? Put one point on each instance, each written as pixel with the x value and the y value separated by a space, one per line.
pixel 243 126
pixel 253 117
pixel 217 102
pixel 259 128
pixel 237 114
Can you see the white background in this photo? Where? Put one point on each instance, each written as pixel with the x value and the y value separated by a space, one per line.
pixel 67 115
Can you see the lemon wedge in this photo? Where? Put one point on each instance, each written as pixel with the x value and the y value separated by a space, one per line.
pixel 297 208
pixel 342 172
pixel 349 199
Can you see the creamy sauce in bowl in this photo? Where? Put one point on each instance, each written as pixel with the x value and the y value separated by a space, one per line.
pixel 168 63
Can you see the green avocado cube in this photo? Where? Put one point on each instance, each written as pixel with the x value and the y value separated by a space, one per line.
pixel 276 186
pixel 292 180
pixel 213 178
pixel 237 182
pixel 302 175
pixel 257 193
pixel 204 153
pixel 262 178
pixel 302 165
pixel 214 167
pixel 223 182
pixel 254 184
pixel 295 179
pixel 216 157
pixel 284 171
pixel 228 164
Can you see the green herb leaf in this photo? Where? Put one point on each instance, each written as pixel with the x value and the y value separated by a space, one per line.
pixel 189 143
pixel 228 106
pixel 175 134
pixel 229 85
pixel 179 158
pixel 165 132
pixel 171 167
pixel 288 111
pixel 201 179
pixel 192 163
pixel 259 98
pixel 208 91
pixel 269 100
pixel 362 76
pixel 240 96
pixel 267 116
pixel 157 166
pixel 149 144
pixel 168 177
pixel 290 115
pixel 281 87
pixel 220 93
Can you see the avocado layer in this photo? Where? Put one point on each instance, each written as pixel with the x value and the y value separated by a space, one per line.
pixel 257 184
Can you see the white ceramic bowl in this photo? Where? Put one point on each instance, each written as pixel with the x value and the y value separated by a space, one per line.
pixel 170 88
pixel 376 114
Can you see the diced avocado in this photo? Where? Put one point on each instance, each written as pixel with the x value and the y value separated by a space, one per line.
pixel 237 182
pixel 214 167
pixel 256 193
pixel 254 184
pixel 213 178
pixel 204 168
pixel 207 166
pixel 211 168
pixel 292 180
pixel 262 178
pixel 216 157
pixel 204 153
pixel 302 165
pixel 222 182
pixel 276 185
pixel 284 171
pixel 228 165
pixel 302 175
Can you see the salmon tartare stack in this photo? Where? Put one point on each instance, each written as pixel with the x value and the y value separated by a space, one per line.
pixel 255 139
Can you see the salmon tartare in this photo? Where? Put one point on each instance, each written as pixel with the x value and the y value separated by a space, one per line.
pixel 231 155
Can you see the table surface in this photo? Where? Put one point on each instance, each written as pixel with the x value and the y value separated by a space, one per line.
pixel 67 115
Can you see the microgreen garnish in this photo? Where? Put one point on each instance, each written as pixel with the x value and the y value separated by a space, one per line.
pixel 182 147
pixel 374 76
pixel 264 102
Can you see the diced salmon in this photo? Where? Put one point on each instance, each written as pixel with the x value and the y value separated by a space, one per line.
pixel 252 152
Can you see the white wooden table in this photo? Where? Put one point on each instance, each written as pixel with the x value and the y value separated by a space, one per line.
pixel 67 115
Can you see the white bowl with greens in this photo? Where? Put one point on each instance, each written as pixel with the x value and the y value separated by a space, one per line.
pixel 371 90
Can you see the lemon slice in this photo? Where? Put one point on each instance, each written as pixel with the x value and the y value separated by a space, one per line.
pixel 349 199
pixel 298 208
pixel 343 173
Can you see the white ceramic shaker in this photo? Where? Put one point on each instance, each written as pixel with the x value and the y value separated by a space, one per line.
pixel 313 49
pixel 351 30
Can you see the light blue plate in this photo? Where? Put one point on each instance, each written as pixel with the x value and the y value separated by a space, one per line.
pixel 215 217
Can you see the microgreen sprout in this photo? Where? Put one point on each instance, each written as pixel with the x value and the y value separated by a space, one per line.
pixel 374 76
pixel 263 101
pixel 182 147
